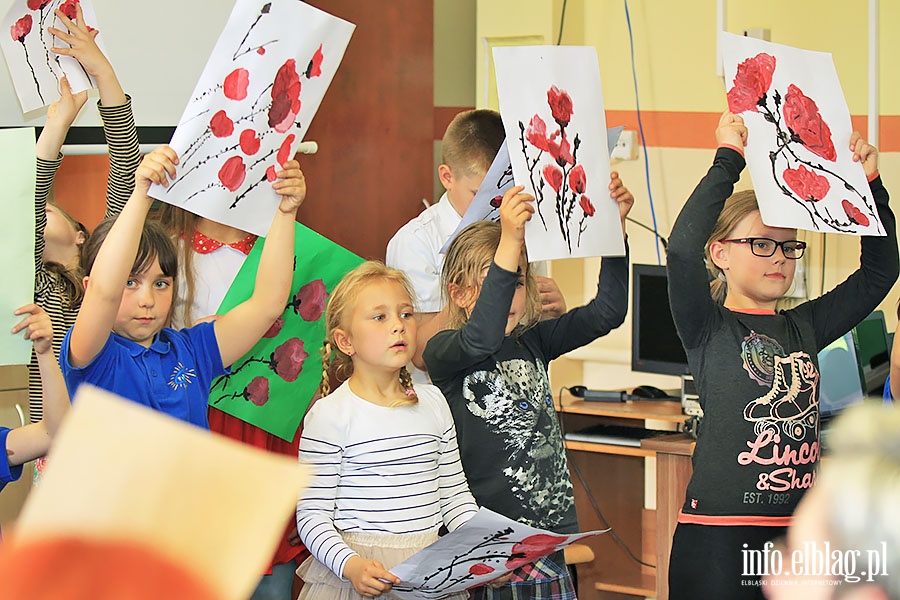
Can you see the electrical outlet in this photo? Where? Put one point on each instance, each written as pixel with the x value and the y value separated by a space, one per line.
pixel 626 147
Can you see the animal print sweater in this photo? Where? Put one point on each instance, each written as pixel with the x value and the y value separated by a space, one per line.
pixel 499 393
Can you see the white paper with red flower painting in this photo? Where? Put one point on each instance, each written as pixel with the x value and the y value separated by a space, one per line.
pixel 486 547
pixel 798 138
pixel 551 103
pixel 250 109
pixel 485 205
pixel 35 70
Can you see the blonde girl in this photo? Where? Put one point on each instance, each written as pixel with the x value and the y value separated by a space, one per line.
pixel 492 368
pixel 386 470
pixel 756 369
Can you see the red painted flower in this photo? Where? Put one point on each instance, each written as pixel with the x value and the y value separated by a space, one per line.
pixel 309 301
pixel 37 4
pixel 285 97
pixel 496 201
pixel 560 105
pixel 586 206
pixel 284 151
pixel 536 133
pixel 532 548
pixel 802 117
pixel 287 360
pixel 236 84
pixel 561 152
pixel 806 183
pixel 480 569
pixel 249 142
pixel 314 68
pixel 232 173
pixel 270 174
pixel 854 214
pixel 752 81
pixel 69 8
pixel 221 124
pixel 578 179
pixel 21 28
pixel 275 328
pixel 257 391
pixel 260 50
pixel 553 175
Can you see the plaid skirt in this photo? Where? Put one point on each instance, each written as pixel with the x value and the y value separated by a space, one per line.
pixel 544 579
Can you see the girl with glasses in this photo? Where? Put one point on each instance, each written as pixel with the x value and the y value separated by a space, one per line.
pixel 755 367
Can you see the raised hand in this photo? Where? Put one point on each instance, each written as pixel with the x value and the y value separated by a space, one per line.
pixel 157 167
pixel 864 153
pixel 291 186
pixel 731 130
pixel 37 326
pixel 623 197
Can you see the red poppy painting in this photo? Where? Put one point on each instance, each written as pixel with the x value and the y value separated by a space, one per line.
pixel 551 106
pixel 798 126
pixel 254 101
pixel 483 549
pixel 33 66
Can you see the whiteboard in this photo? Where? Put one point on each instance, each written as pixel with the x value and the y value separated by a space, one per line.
pixel 158 49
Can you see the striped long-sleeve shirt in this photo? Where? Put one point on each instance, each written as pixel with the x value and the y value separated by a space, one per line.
pixel 49 293
pixel 379 470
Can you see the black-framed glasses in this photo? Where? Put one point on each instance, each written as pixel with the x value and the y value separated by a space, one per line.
pixel 766 247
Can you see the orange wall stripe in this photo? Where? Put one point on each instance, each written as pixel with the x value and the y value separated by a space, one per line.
pixel 674 129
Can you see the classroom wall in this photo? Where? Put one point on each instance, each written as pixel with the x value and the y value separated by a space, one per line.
pixel 681 98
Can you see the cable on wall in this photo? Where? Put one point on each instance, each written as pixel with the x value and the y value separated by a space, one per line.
pixel 637 102
pixel 562 21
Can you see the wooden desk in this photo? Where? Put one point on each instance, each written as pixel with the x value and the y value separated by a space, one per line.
pixel 673 471
pixel 614 478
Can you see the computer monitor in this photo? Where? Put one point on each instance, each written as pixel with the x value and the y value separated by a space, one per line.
pixel 871 340
pixel 841 382
pixel 655 345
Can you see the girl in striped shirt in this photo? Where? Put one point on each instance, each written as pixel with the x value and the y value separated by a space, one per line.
pixel 386 468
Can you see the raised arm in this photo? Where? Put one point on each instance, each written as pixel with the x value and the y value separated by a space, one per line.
pixel 241 327
pixel 105 284
pixel 32 441
pixel 114 106
pixel 60 116
pixel 689 295
pixel 845 306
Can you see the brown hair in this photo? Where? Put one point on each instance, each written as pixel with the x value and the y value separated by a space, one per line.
pixel 471 141
pixel 340 305
pixel 469 254
pixel 155 244
pixel 71 279
pixel 181 225
pixel 738 206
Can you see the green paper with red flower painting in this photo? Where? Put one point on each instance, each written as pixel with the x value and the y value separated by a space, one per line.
pixel 798 142
pixel 273 384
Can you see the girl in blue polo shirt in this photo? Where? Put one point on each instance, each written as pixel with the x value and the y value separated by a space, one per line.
pixel 32 441
pixel 119 341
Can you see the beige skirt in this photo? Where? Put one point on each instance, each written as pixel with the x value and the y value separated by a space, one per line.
pixel 319 583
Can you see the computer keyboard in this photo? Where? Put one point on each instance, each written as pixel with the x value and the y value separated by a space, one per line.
pixel 616 435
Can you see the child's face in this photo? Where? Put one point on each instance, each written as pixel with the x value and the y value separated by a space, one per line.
pixel 517 306
pixel 145 305
pixel 755 281
pixel 461 187
pixel 381 332
pixel 59 232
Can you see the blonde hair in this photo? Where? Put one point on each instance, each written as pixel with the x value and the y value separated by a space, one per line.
pixel 471 141
pixel 340 305
pixel 468 255
pixel 181 225
pixel 738 206
pixel 71 280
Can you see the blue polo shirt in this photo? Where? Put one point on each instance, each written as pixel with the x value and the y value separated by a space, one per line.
pixel 172 376
pixel 8 474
